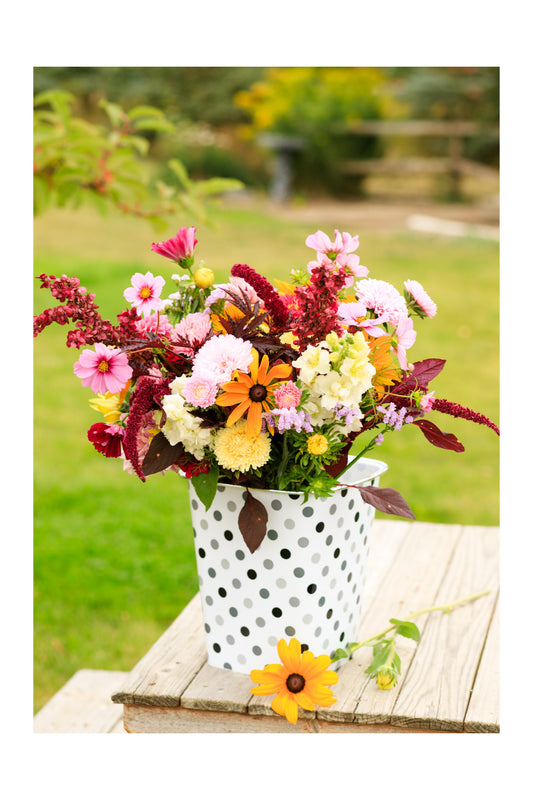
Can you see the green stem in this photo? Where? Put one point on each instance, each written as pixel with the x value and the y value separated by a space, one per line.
pixel 351 648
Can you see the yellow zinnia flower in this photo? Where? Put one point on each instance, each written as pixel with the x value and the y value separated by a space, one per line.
pixel 300 680
pixel 254 393
pixel 317 444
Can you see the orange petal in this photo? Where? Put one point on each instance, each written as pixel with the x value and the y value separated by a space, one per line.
pixel 232 398
pixel 253 420
pixel 263 370
pixel 304 701
pixel 279 371
pixel 253 365
pixel 238 412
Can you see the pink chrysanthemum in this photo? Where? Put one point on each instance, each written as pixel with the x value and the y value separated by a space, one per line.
pixel 194 329
pixel 200 389
pixel 221 355
pixel 145 292
pixel 287 395
pixel 180 248
pixel 382 298
pixel 421 298
pixel 155 323
pixel 104 370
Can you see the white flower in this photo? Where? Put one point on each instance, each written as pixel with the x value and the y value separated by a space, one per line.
pixel 182 426
pixel 313 361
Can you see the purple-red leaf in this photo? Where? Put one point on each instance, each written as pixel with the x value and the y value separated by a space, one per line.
pixel 253 519
pixel 423 372
pixel 387 500
pixel 448 441
pixel 161 454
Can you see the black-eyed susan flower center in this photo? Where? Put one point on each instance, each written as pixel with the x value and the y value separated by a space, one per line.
pixel 295 683
pixel 145 292
pixel 258 393
pixel 103 366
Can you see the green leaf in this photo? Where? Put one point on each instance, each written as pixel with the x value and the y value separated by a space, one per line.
pixel 145 111
pixel 205 485
pixel 213 186
pixel 154 125
pixel 180 172
pixel 381 654
pixel 339 653
pixel 406 628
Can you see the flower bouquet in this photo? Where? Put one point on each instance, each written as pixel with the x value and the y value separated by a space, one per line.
pixel 250 384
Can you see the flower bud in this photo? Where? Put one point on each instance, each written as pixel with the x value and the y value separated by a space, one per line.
pixel 386 679
pixel 204 278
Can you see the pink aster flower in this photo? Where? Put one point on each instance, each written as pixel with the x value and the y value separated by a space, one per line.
pixel 422 301
pixel 426 403
pixel 145 292
pixel 194 328
pixel 104 370
pixel 382 298
pixel 404 338
pixel 287 395
pixel 180 248
pixel 220 355
pixel 155 323
pixel 200 389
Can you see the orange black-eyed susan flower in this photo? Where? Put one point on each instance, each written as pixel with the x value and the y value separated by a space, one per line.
pixel 301 680
pixel 253 393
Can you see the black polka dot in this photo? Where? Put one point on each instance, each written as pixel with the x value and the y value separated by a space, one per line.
pixel 311 588
pixel 222 592
pixel 329 614
pixel 277 612
pixel 336 553
pixel 228 535
pixel 245 631
pixel 356 518
pixel 201 552
pixel 304 647
pixel 252 574
pixel 285 553
pixel 294 496
pixel 320 527
pixel 217 648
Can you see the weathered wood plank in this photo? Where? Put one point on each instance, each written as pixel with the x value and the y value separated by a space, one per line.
pixel 437 687
pixel 387 539
pixel 141 719
pixel 483 714
pixel 218 690
pixel 410 584
pixel 83 705
pixel 161 676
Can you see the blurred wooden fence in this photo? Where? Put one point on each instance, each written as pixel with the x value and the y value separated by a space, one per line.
pixel 454 165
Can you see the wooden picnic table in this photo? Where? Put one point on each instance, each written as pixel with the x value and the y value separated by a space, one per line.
pixel 449 679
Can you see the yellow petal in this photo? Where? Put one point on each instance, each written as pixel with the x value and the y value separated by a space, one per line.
pixel 304 701
pixel 253 365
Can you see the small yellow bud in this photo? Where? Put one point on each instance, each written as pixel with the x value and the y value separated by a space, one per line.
pixel 317 444
pixel 204 277
pixel 386 679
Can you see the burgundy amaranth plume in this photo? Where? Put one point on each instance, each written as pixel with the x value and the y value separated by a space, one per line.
pixel 266 292
pixel 456 410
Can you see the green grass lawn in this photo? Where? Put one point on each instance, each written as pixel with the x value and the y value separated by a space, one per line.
pixel 114 558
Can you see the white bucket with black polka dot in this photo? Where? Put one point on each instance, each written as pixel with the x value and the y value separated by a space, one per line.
pixel 305 580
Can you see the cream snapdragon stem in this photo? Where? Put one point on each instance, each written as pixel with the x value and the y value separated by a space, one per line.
pixel 445 608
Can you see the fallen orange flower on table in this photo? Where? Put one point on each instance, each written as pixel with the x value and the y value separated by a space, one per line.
pixel 300 680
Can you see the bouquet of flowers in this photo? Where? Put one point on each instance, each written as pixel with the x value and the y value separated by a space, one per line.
pixel 247 383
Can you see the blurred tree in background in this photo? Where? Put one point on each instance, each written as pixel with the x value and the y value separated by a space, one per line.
pixel 219 114
pixel 77 161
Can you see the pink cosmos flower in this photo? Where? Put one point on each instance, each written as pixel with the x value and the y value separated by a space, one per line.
pixel 180 248
pixel 200 389
pixel 220 355
pixel 107 439
pixel 404 338
pixel 421 298
pixel 105 370
pixel 351 314
pixel 426 403
pixel 382 298
pixel 145 292
pixel 287 395
pixel 340 251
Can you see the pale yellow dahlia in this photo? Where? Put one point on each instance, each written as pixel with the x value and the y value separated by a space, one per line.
pixel 237 451
pixel 317 444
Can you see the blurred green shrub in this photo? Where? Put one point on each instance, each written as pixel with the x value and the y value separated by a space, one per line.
pixel 77 162
pixel 315 103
